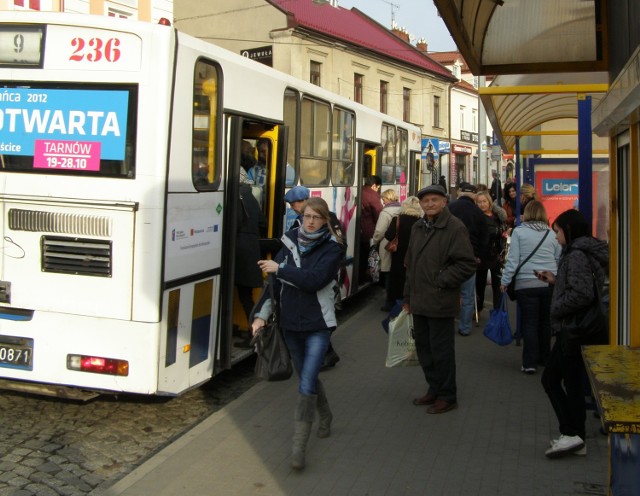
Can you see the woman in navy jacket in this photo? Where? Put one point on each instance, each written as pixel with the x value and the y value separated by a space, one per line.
pixel 304 271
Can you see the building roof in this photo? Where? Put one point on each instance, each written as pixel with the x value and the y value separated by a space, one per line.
pixel 355 27
pixel 449 58
pixel 463 85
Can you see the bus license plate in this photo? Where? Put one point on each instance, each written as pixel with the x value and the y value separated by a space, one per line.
pixel 16 352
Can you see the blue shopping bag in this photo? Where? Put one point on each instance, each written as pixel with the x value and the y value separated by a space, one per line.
pixel 395 311
pixel 498 328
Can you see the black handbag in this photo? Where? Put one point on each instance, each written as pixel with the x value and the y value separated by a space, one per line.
pixel 273 361
pixel 511 288
pixel 591 324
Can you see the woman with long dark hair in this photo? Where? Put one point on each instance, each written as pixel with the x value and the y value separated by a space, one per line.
pixel 583 268
pixel 303 273
pixel 509 204
pixel 492 260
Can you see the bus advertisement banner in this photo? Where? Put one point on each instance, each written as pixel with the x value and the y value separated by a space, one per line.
pixel 64 128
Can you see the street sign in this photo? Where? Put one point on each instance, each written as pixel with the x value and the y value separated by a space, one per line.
pixel 496 152
pixel 430 154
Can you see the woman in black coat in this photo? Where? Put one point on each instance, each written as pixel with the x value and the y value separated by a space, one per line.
pixel 410 212
pixel 583 267
pixel 251 227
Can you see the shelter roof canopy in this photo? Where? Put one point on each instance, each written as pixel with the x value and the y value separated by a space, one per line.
pixel 524 36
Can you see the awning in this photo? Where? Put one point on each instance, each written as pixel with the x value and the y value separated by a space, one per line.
pixel 527 36
pixel 518 104
pixel 530 46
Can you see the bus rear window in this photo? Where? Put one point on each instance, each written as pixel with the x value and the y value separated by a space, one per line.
pixel 88 130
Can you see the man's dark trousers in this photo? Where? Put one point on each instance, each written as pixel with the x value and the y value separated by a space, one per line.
pixel 435 344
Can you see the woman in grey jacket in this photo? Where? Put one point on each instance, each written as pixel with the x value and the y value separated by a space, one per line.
pixel 585 261
pixel 533 295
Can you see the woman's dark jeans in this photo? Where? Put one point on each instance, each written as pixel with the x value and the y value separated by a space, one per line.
pixel 569 402
pixel 535 325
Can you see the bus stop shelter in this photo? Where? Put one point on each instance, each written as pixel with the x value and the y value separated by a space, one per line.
pixel 552 61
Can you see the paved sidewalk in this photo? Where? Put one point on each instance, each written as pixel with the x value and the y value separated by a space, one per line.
pixel 381 444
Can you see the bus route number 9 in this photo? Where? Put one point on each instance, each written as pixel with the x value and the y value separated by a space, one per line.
pixel 95 49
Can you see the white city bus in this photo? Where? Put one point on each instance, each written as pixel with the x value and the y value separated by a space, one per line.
pixel 120 149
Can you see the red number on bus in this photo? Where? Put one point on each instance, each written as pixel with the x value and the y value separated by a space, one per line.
pixel 96 44
pixel 79 44
pixel 95 50
pixel 111 52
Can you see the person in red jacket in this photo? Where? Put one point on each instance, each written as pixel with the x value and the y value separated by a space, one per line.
pixel 371 208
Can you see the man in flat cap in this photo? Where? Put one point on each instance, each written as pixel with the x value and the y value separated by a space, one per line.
pixel 465 209
pixel 439 259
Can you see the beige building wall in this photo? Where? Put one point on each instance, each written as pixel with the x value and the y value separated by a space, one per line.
pixel 568 142
pixel 244 24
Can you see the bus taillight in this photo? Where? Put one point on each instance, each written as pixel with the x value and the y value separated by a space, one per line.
pixel 98 365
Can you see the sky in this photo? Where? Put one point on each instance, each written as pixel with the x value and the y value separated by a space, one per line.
pixel 419 17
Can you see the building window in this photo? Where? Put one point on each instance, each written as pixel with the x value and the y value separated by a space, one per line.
pixel 357 87
pixel 384 87
pixel 119 11
pixel 462 110
pixel 314 72
pixel 474 120
pixel 406 104
pixel 31 4
pixel 436 111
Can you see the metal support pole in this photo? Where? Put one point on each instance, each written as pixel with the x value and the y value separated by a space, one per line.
pixel 518 334
pixel 517 166
pixel 585 160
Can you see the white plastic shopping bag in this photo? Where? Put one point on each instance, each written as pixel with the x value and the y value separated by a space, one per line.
pixel 401 351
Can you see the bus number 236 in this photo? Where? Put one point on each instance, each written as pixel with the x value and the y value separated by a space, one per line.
pixel 95 49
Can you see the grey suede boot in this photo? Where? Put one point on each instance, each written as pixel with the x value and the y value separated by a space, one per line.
pixel 324 426
pixel 303 418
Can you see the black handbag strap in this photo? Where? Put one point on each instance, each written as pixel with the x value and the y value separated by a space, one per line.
pixel 274 304
pixel 530 255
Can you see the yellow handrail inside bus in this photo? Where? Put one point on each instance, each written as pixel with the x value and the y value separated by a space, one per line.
pixel 210 89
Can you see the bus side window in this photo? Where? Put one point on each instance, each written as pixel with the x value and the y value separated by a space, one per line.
pixel 205 136
pixel 389 154
pixel 315 145
pixel 342 170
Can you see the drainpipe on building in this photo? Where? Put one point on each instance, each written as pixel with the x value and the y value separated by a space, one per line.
pixel 483 166
pixel 450 158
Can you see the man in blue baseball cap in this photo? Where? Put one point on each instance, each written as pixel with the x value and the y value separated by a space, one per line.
pixel 296 197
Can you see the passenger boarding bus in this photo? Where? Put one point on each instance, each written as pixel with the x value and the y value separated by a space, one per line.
pixel 120 149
